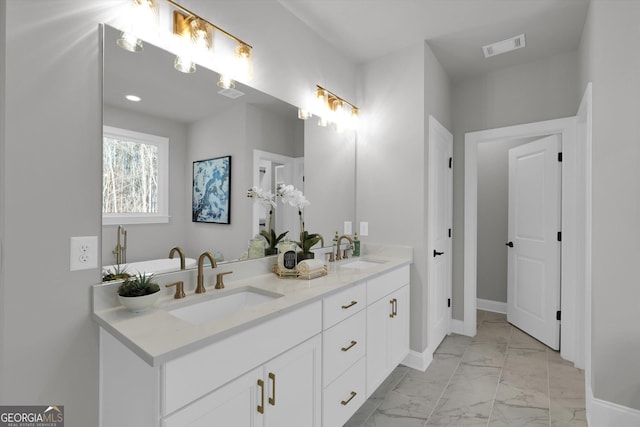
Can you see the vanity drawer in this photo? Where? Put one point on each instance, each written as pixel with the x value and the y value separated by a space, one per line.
pixel 343 345
pixel 344 396
pixel 386 283
pixel 195 374
pixel 343 304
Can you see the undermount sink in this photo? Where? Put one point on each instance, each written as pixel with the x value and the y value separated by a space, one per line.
pixel 360 264
pixel 222 306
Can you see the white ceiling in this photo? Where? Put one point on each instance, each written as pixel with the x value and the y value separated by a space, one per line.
pixel 455 29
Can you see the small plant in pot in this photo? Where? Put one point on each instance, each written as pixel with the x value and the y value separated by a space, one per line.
pixel 138 293
pixel 119 272
pixel 272 241
pixel 307 241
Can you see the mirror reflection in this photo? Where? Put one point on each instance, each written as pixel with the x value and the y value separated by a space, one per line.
pixel 198 121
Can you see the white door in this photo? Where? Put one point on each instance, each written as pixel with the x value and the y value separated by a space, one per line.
pixel 533 281
pixel 440 219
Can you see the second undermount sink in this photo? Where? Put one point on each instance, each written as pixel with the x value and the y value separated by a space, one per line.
pixel 224 305
pixel 360 264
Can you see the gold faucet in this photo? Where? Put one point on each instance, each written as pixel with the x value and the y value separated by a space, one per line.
pixel 338 257
pixel 200 288
pixel 181 253
pixel 121 249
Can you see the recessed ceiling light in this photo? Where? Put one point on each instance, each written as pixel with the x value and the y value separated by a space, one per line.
pixel 504 46
pixel 133 98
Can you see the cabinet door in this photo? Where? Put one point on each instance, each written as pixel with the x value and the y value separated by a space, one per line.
pixel 378 342
pixel 293 387
pixel 234 405
pixel 399 327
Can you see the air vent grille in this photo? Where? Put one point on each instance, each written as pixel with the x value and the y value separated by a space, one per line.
pixel 504 46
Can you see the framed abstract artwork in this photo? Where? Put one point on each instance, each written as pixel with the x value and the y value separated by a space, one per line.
pixel 212 190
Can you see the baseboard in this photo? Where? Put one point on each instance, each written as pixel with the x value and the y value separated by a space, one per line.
pixel 457 326
pixel 418 361
pixel 601 413
pixel 488 305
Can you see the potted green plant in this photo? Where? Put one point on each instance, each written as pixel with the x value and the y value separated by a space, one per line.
pixel 138 293
pixel 119 272
pixel 307 241
pixel 272 240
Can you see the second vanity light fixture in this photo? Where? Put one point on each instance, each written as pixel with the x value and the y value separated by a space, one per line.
pixel 331 108
pixel 196 37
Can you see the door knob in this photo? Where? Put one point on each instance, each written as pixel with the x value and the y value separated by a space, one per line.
pixel 436 253
pixel 510 244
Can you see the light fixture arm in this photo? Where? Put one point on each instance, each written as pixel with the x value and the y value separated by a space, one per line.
pixel 332 95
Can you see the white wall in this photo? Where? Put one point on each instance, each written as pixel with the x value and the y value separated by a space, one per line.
pixel 152 241
pixel 3 320
pixel 608 58
pixel 540 90
pixel 493 216
pixel 391 159
pixel 52 180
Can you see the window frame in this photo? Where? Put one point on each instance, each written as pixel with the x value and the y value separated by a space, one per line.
pixel 162 143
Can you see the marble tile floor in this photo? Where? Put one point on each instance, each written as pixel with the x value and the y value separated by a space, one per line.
pixel 501 377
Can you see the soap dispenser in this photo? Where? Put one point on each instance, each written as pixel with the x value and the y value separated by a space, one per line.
pixel 356 245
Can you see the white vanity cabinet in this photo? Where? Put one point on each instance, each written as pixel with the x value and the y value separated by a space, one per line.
pixel 343 354
pixel 387 325
pixel 221 381
pixel 282 392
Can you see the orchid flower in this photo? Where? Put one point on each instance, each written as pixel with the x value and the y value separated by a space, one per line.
pixel 265 198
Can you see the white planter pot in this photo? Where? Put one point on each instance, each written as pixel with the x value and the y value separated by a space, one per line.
pixel 139 304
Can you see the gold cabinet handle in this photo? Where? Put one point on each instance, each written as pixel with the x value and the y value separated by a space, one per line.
pixel 272 399
pixel 261 406
pixel 392 314
pixel 344 307
pixel 395 307
pixel 350 346
pixel 346 402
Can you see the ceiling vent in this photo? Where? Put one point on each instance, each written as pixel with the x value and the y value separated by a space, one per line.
pixel 231 93
pixel 503 46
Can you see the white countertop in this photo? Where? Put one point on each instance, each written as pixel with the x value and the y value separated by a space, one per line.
pixel 157 336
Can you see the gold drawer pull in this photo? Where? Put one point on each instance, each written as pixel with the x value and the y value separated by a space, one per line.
pixel 344 307
pixel 350 346
pixel 261 406
pixel 272 399
pixel 346 402
pixel 393 311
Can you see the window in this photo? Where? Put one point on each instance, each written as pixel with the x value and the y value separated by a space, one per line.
pixel 135 172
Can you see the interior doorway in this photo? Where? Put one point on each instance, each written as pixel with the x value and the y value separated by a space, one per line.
pixel 566 129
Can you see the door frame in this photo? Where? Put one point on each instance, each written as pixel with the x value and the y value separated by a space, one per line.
pixel 566 127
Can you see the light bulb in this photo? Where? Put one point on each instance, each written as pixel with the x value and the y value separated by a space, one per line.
pixel 304 114
pixel 226 82
pixel 129 42
pixel 184 65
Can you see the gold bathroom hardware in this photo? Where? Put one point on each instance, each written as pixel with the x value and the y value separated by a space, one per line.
pixel 219 278
pixel 350 346
pixel 181 253
pixel 344 307
pixel 261 405
pixel 272 399
pixel 121 249
pixel 179 289
pixel 344 255
pixel 394 308
pixel 200 288
pixel 346 402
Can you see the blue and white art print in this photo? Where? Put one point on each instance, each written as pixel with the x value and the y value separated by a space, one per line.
pixel 212 190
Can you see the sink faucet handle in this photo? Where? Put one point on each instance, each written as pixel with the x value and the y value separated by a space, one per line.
pixel 219 279
pixel 179 289
pixel 331 259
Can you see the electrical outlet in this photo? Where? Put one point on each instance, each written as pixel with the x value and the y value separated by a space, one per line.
pixel 84 253
pixel 347 227
pixel 364 228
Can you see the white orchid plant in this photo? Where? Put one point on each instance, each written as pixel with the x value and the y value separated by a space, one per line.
pixel 294 198
pixel 267 200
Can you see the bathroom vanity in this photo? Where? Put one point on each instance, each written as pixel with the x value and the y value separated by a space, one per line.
pixel 284 353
